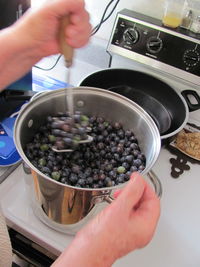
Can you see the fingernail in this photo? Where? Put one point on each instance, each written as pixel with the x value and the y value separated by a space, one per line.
pixel 134 175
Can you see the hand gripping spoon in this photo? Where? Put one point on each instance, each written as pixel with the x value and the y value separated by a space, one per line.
pixel 67 52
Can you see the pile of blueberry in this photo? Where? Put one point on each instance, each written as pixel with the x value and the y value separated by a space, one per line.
pixel 67 131
pixel 107 161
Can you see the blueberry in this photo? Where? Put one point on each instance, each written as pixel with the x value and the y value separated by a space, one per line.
pixel 55 175
pixel 59 145
pixel 82 175
pixel 117 125
pixel 100 138
pixel 56 132
pixel 100 183
pixel 67 141
pixel 133 169
pixel 108 156
pixel 137 162
pixel 141 156
pixel 46 170
pixel 66 127
pixel 105 133
pixel 120 179
pixel 41 153
pixel 82 182
pixel 44 147
pixel 108 182
pixel 84 118
pixel 63 134
pixel 100 120
pixel 95 177
pixel 88 171
pixel 51 158
pixel 113 174
pixel 108 167
pixel 101 127
pixel 59 158
pixel 95 186
pixel 65 172
pixel 75 169
pixel 77 117
pixel 56 167
pixel 52 138
pixel 116 156
pixel 89 181
pixel 129 158
pixel 128 133
pixel 126 165
pixel 121 134
pixel 57 124
pixel 121 169
pixel 49 119
pixel 63 180
pixel 133 139
pixel 100 146
pixel 136 153
pixel 42 162
pixel 92 119
pixel 102 153
pixel 141 168
pixel 122 159
pixel 73 178
pixel 134 146
pixel 102 176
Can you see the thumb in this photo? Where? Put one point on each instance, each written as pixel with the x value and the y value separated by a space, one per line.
pixel 132 193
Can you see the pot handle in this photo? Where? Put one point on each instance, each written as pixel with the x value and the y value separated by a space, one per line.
pixel 38 94
pixel 17 95
pixel 186 94
pixel 156 183
pixel 153 178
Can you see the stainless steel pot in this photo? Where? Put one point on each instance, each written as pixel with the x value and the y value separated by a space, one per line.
pixel 67 205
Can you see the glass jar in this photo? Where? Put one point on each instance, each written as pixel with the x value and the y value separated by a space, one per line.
pixel 195 26
pixel 173 13
pixel 187 20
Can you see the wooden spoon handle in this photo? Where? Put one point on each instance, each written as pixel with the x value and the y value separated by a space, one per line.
pixel 65 49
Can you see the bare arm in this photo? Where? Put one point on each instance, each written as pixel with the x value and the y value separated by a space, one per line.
pixel 16 56
pixel 35 34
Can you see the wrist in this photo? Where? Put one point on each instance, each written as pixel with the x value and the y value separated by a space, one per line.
pixel 85 251
pixel 95 248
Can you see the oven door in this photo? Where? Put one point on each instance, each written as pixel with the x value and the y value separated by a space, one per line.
pixel 29 252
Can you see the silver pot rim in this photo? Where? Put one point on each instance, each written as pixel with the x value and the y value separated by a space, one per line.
pixel 76 90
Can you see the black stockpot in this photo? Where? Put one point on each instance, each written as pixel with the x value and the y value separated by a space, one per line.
pixel 168 108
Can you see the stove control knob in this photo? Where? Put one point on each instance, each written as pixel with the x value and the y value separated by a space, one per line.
pixel 154 44
pixel 130 36
pixel 191 58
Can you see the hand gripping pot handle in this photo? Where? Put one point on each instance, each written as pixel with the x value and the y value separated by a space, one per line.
pixel 154 180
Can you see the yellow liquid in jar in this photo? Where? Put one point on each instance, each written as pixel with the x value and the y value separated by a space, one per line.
pixel 171 21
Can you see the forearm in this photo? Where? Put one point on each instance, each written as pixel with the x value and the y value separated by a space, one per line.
pixel 84 252
pixel 17 55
